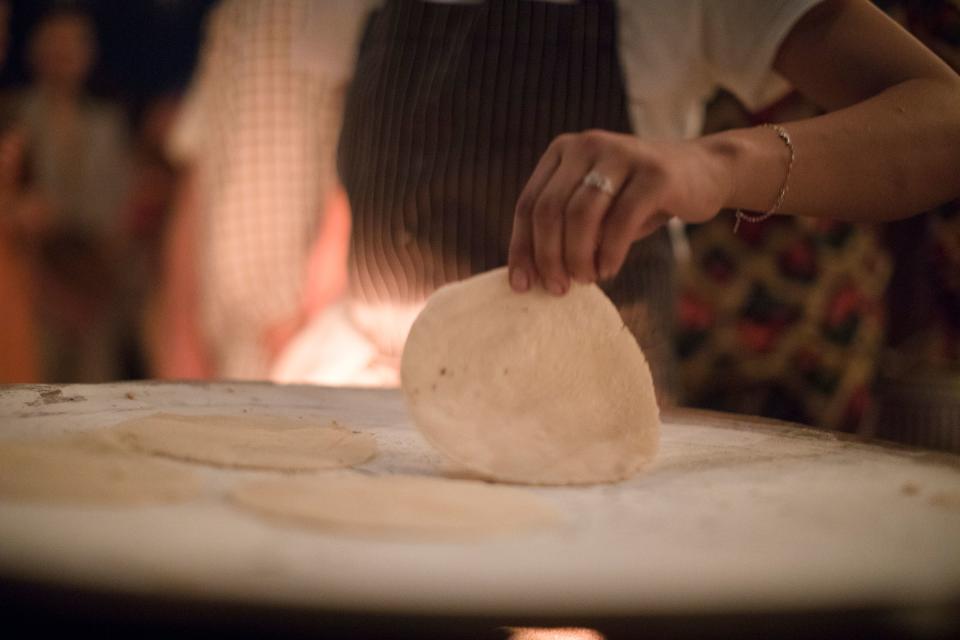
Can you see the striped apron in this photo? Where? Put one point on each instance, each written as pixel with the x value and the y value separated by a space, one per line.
pixel 450 109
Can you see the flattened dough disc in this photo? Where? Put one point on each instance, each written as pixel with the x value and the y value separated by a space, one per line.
pixel 248 442
pixel 530 388
pixel 390 505
pixel 86 473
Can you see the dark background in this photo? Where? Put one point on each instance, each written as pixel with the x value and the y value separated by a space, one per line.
pixel 148 47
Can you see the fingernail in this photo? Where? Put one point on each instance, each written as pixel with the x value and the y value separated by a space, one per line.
pixel 556 287
pixel 519 280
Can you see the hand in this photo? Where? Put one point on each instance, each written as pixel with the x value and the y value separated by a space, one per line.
pixel 277 336
pixel 564 229
pixel 326 273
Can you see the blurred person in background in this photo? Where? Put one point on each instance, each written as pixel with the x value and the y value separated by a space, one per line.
pixel 19 359
pixel 78 161
pixel 153 177
pixel 258 132
pixel 145 219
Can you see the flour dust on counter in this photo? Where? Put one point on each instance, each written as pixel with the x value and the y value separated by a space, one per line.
pixel 247 442
pixel 409 507
pixel 81 471
pixel 530 388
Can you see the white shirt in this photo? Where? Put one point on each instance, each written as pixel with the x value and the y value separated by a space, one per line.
pixel 675 54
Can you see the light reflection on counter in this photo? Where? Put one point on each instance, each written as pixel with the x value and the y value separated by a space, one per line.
pixel 555 633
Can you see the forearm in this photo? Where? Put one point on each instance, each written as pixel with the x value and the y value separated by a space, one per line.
pixel 890 156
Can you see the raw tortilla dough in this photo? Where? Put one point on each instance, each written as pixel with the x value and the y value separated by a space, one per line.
pixel 248 442
pixel 84 472
pixel 397 505
pixel 530 388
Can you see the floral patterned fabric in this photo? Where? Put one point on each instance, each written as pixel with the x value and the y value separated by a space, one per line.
pixel 786 318
pixel 783 319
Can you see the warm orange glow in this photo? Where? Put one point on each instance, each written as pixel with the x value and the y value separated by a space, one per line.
pixel 557 633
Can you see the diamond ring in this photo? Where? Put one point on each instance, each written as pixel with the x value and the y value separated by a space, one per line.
pixel 599 181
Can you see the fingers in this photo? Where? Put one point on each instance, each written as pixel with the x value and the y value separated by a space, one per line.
pixel 634 215
pixel 522 269
pixel 564 228
pixel 652 223
pixel 583 218
pixel 548 222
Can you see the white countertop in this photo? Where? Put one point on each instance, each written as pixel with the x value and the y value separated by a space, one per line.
pixel 736 515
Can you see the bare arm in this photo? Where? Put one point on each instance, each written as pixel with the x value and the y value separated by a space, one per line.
pixel 890 148
pixel 174 340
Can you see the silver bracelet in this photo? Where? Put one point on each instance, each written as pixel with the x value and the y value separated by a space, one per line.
pixel 740 215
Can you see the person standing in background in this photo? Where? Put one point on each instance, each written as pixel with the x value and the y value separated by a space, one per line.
pixel 145 216
pixel 19 361
pixel 259 132
pixel 78 159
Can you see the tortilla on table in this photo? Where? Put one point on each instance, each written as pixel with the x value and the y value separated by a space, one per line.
pixel 530 388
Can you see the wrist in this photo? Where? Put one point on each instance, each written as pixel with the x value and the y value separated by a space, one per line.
pixel 755 162
pixel 724 153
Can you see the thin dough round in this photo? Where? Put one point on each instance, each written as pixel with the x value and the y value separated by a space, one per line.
pixel 530 388
pixel 83 472
pixel 415 506
pixel 247 442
